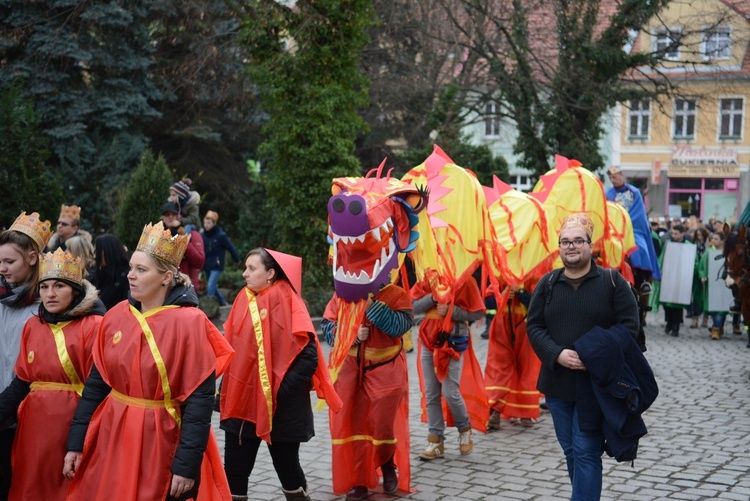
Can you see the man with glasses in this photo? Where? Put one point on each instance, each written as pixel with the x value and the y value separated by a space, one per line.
pixel 67 228
pixel 566 304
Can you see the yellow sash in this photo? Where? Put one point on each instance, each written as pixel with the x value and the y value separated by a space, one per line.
pixel 51 386
pixel 160 366
pixel 265 380
pixel 142 402
pixel 62 354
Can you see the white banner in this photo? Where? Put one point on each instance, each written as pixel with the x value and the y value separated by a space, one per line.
pixel 677 273
pixel 719 295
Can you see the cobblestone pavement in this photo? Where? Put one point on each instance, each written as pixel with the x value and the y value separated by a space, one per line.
pixel 697 448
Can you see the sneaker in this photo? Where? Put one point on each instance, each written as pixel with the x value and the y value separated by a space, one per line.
pixel 694 323
pixel 465 443
pixel 435 448
pixel 390 478
pixel 494 422
pixel 357 492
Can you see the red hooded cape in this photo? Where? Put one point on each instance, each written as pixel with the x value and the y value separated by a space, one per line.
pixel 264 355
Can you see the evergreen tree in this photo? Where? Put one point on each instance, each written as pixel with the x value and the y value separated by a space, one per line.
pixel 26 183
pixel 85 66
pixel 144 198
pixel 305 61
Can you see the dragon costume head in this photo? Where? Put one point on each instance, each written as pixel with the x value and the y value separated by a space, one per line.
pixel 371 221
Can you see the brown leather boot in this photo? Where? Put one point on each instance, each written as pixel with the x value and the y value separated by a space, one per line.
pixel 465 443
pixel 435 448
pixel 715 333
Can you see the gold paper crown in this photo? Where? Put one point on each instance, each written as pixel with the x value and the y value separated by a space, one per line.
pixel 578 220
pixel 70 211
pixel 33 226
pixel 61 265
pixel 158 242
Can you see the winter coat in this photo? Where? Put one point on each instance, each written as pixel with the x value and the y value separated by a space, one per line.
pixel 216 244
pixel 616 388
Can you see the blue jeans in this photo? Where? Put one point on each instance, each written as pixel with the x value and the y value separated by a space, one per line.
pixel 583 450
pixel 212 284
pixel 718 319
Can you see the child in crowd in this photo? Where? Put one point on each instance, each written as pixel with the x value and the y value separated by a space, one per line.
pixel 188 202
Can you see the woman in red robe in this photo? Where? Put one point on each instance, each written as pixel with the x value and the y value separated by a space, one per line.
pixel 54 360
pixel 147 404
pixel 265 394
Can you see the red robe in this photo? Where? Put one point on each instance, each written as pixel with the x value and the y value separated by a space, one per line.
pixel 472 387
pixel 249 388
pixel 129 446
pixel 512 365
pixel 373 425
pixel 45 414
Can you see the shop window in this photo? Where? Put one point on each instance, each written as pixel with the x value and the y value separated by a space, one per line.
pixel 714 184
pixel 639 116
pixel 717 43
pixel 690 203
pixel 667 43
pixel 683 119
pixel 730 118
pixel 682 183
pixel 492 120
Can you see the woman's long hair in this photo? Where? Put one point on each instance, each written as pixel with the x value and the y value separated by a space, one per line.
pixel 109 258
pixel 25 244
pixel 79 246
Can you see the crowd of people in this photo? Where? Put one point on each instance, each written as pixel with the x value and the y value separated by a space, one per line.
pixel 107 350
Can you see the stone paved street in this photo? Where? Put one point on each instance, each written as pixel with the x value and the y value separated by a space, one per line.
pixel 698 446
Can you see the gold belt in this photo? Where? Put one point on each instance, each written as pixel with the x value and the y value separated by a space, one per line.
pixel 142 402
pixel 377 354
pixel 51 386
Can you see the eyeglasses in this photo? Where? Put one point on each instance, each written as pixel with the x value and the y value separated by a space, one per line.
pixel 578 243
pixel 62 223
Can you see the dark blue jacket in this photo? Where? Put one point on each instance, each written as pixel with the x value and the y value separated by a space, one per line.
pixel 216 244
pixel 616 388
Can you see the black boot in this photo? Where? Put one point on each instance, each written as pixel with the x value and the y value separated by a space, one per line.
pixel 390 478
pixel 675 331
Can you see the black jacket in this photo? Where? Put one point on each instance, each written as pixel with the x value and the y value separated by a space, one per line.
pixel 293 419
pixel 558 318
pixel 616 388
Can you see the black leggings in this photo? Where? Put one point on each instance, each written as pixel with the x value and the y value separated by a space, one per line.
pixel 6 442
pixel 239 459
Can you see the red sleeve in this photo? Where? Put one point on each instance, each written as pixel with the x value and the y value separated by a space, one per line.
pixel 194 254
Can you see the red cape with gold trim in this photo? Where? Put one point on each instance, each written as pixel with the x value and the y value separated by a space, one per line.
pixel 191 349
pixel 285 325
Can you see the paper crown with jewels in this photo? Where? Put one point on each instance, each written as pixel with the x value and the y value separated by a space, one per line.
pixel 33 227
pixel 61 265
pixel 70 211
pixel 158 242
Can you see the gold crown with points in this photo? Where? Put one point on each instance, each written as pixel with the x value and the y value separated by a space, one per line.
pixel 33 227
pixel 61 265
pixel 70 211
pixel 158 242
